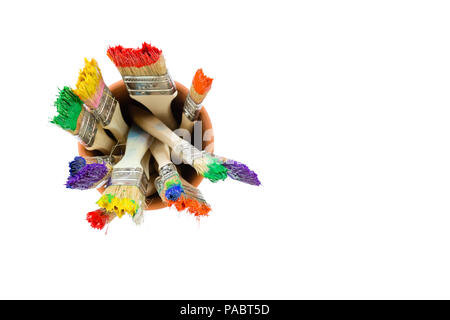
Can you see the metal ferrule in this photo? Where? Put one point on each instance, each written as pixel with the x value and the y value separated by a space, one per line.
pixel 159 186
pixel 148 85
pixel 88 129
pixel 109 160
pixel 187 152
pixel 129 177
pixel 106 107
pixel 167 172
pixel 191 109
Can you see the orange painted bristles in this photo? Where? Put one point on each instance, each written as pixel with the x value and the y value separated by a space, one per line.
pixel 194 207
pixel 145 61
pixel 200 87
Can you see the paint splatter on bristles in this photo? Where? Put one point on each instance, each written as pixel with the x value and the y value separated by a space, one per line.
pixel 90 84
pixel 173 192
pixel 190 200
pixel 69 107
pixel 118 205
pixel 76 165
pixel 172 188
pixel 240 172
pixel 98 219
pixel 191 205
pixel 90 176
pixel 200 87
pixel 145 61
pixel 210 167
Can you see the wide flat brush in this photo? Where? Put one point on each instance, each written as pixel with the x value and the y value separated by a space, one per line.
pixel 126 194
pixel 74 119
pixel 90 172
pixel 191 200
pixel 145 74
pixel 98 98
pixel 169 186
pixel 203 163
pixel 200 87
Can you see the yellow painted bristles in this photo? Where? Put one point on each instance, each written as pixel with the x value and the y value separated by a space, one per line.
pixel 90 84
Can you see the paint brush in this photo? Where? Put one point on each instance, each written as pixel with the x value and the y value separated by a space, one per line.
pixel 200 87
pixel 74 119
pixel 147 80
pixel 91 89
pixel 193 201
pixel 205 164
pixel 170 187
pixel 99 218
pixel 126 194
pixel 190 200
pixel 90 172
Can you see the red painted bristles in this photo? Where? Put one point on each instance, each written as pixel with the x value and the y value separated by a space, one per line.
pixel 98 219
pixel 145 61
pixel 200 87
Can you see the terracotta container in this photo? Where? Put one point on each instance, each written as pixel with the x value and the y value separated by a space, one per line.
pixel 119 91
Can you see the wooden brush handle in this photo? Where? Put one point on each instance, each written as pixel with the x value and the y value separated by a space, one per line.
pixel 151 184
pixel 138 142
pixel 186 123
pixel 146 165
pixel 153 126
pixel 145 162
pixel 118 126
pixel 159 105
pixel 161 153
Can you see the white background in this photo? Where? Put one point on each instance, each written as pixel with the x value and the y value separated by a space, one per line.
pixel 342 107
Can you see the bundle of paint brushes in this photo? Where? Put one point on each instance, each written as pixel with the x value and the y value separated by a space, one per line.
pixel 138 160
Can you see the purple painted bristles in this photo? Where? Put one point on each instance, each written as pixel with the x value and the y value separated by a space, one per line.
pixel 88 177
pixel 240 172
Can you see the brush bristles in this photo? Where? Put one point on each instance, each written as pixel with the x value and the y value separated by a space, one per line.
pixel 76 165
pixel 88 177
pixel 98 219
pixel 201 165
pixel 190 202
pixel 145 61
pixel 191 205
pixel 210 168
pixel 240 172
pixel 173 192
pixel 122 199
pixel 90 84
pixel 69 108
pixel 187 198
pixel 200 87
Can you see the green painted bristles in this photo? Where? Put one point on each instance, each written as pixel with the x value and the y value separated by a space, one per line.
pixel 216 171
pixel 68 106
